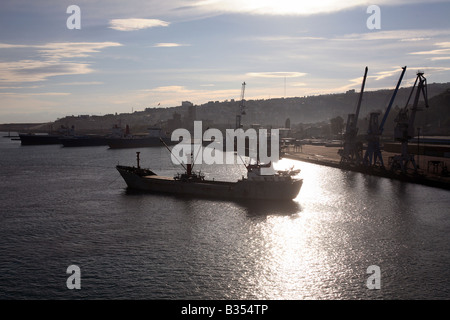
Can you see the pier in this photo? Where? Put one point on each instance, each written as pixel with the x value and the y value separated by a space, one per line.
pixel 432 170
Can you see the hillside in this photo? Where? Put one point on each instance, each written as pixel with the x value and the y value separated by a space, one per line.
pixel 268 112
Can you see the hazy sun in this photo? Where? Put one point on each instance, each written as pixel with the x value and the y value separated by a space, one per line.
pixel 280 7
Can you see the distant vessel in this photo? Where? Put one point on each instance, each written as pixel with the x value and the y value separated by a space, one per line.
pixel 84 141
pixel 11 137
pixel 281 185
pixel 92 140
pixel 38 139
pixel 152 139
pixel 45 138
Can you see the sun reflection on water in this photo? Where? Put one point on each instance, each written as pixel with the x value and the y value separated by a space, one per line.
pixel 300 252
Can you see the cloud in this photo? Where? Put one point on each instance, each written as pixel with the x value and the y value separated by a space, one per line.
pixel 436 51
pixel 133 24
pixel 380 75
pixel 169 89
pixel 35 94
pixel 298 84
pixel 276 74
pixel 394 73
pixel 59 50
pixel 80 83
pixel 444 52
pixel 52 60
pixel 439 58
pixel 414 39
pixel 198 9
pixel 445 49
pixel 32 70
pixel 288 7
pixel 401 34
pixel 430 70
pixel 19 87
pixel 285 38
pixel 173 95
pixel 12 46
pixel 168 45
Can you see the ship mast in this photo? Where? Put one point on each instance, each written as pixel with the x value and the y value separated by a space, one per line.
pixel 167 147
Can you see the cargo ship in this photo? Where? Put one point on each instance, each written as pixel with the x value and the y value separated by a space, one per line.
pixel 88 140
pixel 85 141
pixel 152 139
pixel 281 185
pixel 45 138
pixel 31 139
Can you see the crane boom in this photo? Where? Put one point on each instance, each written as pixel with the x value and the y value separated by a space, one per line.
pixel 392 101
pixel 352 150
pixel 360 96
pixel 373 153
pixel 404 125
pixel 242 95
pixel 421 89
pixel 241 110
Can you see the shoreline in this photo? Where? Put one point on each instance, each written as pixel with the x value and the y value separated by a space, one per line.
pixel 328 156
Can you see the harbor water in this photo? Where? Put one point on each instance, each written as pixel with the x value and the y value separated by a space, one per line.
pixel 69 206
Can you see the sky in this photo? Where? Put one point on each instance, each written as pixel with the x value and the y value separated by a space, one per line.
pixel 130 55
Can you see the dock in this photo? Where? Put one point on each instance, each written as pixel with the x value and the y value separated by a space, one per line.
pixel 431 172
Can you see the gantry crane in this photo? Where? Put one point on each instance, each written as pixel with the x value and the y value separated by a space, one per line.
pixel 373 156
pixel 351 153
pixel 241 110
pixel 404 125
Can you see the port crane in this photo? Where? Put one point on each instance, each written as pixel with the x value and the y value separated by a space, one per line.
pixel 404 125
pixel 351 153
pixel 373 156
pixel 241 108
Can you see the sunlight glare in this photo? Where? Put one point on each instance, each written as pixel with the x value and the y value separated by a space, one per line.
pixel 280 7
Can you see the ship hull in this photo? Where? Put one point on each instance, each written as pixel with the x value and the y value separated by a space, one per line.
pixel 242 189
pixel 145 142
pixel 36 139
pixel 84 141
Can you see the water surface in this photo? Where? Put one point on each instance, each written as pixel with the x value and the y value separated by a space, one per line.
pixel 64 206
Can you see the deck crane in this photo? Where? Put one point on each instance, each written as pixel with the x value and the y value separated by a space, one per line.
pixel 351 152
pixel 404 125
pixel 373 156
pixel 241 110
